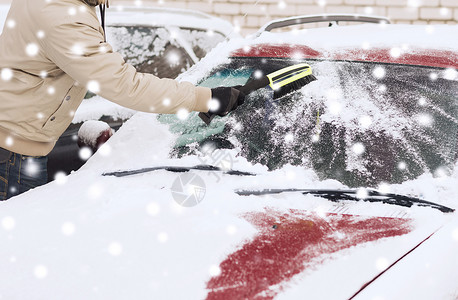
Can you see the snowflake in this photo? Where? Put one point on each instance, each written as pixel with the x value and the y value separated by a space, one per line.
pixel 10 23
pixel 182 114
pixel 362 193
pixel 32 167
pixel 368 10
pixel 51 90
pixel 425 120
pixel 93 86
pixel 166 102
pixel 231 229
pixel 289 138
pixel 8 223
pixel 95 191
pixel 85 153
pixel 450 74
pixel 381 263
pixel 40 271
pixel 281 4
pixel 365 122
pixel 115 249
pixel 358 148
pixel 173 58
pixel 163 237
pixel 31 49
pixel 402 165
pixel 153 209
pixel 77 49
pixel 214 270
pixel 9 141
pixel 40 34
pixel 379 72
pixel 72 11
pixel 60 178
pixel 68 228
pixel 395 52
pixel 6 74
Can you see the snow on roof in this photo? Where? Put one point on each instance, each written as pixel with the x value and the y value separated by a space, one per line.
pixel 154 16
pixel 368 36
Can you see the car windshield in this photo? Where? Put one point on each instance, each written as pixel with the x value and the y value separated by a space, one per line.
pixel 360 123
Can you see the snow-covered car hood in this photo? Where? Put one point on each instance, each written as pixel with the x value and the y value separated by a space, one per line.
pixel 92 236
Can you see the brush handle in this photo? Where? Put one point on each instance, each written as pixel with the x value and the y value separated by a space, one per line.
pixel 251 86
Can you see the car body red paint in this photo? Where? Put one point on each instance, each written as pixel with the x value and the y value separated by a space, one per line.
pixel 287 244
pixel 419 57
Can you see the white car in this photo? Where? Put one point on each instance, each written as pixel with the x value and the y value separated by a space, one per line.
pixel 159 213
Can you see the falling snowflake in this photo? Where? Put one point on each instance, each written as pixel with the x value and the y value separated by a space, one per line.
pixel 95 191
pixel 289 138
pixel 153 209
pixel 85 153
pixel 381 263
pixel 10 24
pixel 77 49
pixel 31 49
pixel 395 52
pixel 358 148
pixel 425 120
pixel 450 74
pixel 365 122
pixel 51 90
pixel 32 168
pixel 182 114
pixel 231 229
pixel 68 228
pixel 162 237
pixel 402 165
pixel 40 271
pixel 214 270
pixel 281 4
pixel 60 178
pixel 433 76
pixel 9 141
pixel 379 72
pixel 115 249
pixel 384 188
pixel 213 105
pixel 72 11
pixel 7 74
pixel 93 86
pixel 8 223
pixel 362 193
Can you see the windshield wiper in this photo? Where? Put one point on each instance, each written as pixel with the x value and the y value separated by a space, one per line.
pixel 178 169
pixel 351 195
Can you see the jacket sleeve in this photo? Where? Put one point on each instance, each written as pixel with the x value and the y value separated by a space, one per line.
pixel 78 48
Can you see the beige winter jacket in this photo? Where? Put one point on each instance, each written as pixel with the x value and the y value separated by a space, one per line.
pixel 51 52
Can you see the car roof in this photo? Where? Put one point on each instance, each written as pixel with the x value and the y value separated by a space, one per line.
pixel 384 43
pixel 157 16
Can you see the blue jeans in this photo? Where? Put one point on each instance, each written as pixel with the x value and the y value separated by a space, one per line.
pixel 20 173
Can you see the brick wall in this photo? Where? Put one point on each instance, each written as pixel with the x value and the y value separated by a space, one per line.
pixel 249 15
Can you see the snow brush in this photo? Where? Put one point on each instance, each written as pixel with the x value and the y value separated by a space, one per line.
pixel 282 82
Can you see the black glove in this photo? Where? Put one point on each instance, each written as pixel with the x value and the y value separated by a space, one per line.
pixel 229 98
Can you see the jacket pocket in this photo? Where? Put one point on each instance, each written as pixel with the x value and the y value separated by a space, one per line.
pixel 58 121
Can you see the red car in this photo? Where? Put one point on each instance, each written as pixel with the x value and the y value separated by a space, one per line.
pixel 344 188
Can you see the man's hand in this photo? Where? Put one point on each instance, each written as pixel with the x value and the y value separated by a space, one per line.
pixel 225 100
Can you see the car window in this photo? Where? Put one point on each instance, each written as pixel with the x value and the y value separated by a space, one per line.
pixel 361 123
pixel 164 52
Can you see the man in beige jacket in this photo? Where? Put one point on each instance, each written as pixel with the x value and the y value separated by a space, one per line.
pixel 51 53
